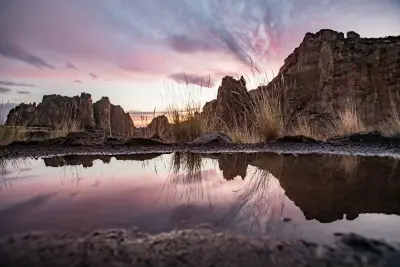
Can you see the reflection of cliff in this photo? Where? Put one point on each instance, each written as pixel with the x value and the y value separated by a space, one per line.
pixel 233 165
pixel 87 160
pixel 328 187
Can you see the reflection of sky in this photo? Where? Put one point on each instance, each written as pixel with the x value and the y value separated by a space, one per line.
pixel 144 194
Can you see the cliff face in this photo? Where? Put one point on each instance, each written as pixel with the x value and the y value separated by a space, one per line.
pixel 327 69
pixel 56 111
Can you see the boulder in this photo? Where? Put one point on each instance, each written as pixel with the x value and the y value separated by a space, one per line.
pixel 157 127
pixel 212 138
pixel 102 115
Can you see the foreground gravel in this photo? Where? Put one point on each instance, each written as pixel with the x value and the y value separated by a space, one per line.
pixel 193 247
pixel 367 147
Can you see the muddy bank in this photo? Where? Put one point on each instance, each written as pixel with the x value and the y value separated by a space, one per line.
pixel 370 144
pixel 193 247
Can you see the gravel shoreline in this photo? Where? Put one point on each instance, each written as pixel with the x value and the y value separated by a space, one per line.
pixel 345 147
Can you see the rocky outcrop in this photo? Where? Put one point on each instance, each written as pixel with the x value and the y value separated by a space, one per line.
pixel 327 69
pixel 121 123
pixel 57 112
pixel 102 114
pixel 232 97
pixel 157 127
pixel 54 111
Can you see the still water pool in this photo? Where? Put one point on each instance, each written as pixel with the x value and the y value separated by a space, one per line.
pixel 309 197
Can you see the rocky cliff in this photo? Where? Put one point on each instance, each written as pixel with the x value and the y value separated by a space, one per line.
pixel 57 111
pixel 328 69
pixel 322 75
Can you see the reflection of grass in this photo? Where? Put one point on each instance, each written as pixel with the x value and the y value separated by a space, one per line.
pixel 9 166
pixel 349 165
pixel 260 196
pixel 187 179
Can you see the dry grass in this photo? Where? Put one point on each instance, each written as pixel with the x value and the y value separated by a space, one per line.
pixel 266 115
pixel 346 122
pixel 303 127
pixel 9 134
pixel 64 128
pixel 391 126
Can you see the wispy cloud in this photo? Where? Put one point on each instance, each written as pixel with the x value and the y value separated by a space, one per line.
pixel 9 83
pixel 23 92
pixel 4 90
pixel 13 51
pixel 94 76
pixel 77 81
pixel 184 78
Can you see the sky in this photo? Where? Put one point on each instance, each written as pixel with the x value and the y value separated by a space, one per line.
pixel 145 54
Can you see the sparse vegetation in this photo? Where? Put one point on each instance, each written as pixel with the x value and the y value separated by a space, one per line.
pixel 346 121
pixel 64 128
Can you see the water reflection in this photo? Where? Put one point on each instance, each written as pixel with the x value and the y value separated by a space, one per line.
pixel 247 192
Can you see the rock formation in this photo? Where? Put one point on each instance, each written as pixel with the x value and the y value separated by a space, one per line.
pixel 157 126
pixel 102 114
pixel 232 98
pixel 54 111
pixel 57 111
pixel 121 122
pixel 327 69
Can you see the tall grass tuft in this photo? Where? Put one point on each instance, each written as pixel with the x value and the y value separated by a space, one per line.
pixel 347 121
pixel 266 115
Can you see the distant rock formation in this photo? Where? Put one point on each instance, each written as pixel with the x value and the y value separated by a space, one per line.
pixel 327 69
pixel 57 111
pixel 157 126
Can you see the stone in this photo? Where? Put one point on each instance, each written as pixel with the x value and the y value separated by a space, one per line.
pixel 212 138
